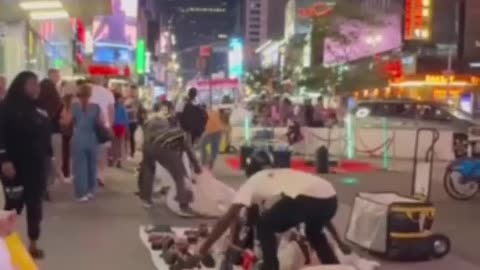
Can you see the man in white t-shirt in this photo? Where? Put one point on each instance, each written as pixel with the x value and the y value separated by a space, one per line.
pixel 286 198
pixel 105 100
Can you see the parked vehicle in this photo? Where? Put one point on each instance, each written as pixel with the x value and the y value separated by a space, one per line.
pixel 411 114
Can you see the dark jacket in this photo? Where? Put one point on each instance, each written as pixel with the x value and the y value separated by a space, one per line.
pixel 25 138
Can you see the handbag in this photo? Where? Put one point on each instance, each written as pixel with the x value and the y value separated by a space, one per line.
pixel 102 133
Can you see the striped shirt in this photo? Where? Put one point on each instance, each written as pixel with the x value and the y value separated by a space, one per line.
pixel 159 133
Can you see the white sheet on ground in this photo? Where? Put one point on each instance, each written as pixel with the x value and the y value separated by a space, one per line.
pixel 211 198
pixel 159 263
pixel 291 257
pixel 289 254
pixel 368 220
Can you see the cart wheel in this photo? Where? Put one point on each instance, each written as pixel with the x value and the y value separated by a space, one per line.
pixel 457 190
pixel 440 246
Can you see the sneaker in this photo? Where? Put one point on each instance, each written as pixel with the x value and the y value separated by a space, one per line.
pixel 146 205
pixel 90 195
pixel 84 199
pixel 68 180
pixel 186 211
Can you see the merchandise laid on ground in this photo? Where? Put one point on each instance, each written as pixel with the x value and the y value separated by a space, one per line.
pixel 174 248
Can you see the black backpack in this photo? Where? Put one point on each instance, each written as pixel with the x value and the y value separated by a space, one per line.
pixel 194 119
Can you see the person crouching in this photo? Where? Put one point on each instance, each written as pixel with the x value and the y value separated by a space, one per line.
pixel 166 144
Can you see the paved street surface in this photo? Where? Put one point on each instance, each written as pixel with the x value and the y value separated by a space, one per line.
pixel 103 234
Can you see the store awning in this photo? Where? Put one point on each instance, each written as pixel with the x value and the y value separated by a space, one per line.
pixel 83 9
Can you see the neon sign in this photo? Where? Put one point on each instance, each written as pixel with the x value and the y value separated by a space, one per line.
pixel 439 79
pixel 417 22
pixel 319 9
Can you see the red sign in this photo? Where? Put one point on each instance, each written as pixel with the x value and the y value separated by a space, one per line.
pixel 206 51
pixel 319 9
pixel 109 71
pixel 217 84
pixel 417 23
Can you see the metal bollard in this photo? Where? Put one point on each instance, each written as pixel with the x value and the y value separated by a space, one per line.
pixel 322 160
pixel 245 152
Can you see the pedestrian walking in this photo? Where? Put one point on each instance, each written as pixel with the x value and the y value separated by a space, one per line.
pixel 136 117
pixel 86 118
pixel 193 118
pixel 50 101
pixel 25 148
pixel 105 100
pixel 210 143
pixel 120 129
pixel 67 131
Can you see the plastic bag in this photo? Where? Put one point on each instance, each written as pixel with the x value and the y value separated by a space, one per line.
pixel 5 257
pixel 290 255
pixel 211 198
pixel 20 256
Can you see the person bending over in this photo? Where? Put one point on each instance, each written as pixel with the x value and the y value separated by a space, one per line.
pixel 286 198
pixel 166 145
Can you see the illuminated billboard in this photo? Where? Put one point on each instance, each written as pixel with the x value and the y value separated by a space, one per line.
pixel 299 15
pixel 115 36
pixel 365 41
pixel 235 58
pixel 418 19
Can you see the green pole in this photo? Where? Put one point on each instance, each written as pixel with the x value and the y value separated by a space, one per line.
pixel 386 152
pixel 350 126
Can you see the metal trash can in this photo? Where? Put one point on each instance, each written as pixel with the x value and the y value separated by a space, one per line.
pixel 322 160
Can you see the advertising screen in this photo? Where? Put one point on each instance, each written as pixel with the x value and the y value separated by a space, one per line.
pixel 116 34
pixel 365 40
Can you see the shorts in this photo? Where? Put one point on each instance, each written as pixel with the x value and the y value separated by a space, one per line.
pixel 120 131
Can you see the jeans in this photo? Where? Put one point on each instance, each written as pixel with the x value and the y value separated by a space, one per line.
pixel 288 213
pixel 85 170
pixel 213 140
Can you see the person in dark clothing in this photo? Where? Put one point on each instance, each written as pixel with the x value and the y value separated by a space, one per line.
pixel 50 101
pixel 136 117
pixel 25 149
pixel 310 200
pixel 193 118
